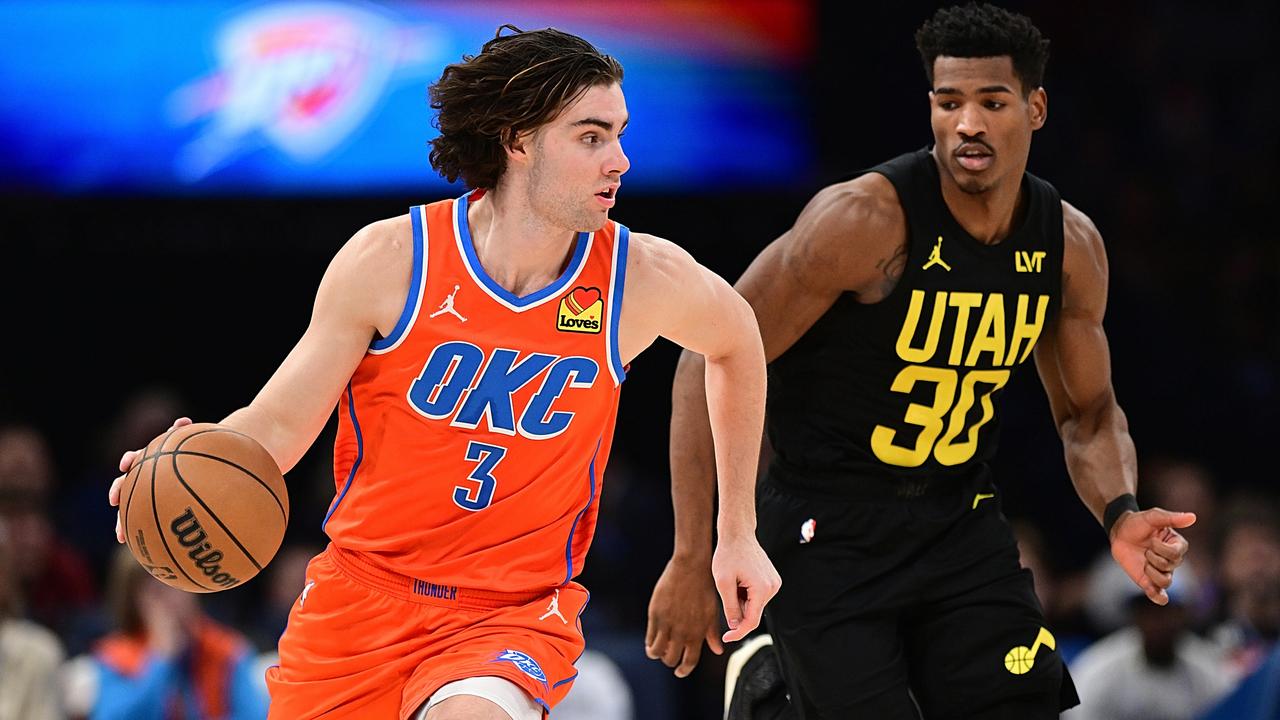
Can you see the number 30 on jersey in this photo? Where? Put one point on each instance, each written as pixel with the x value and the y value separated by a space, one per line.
pixel 942 423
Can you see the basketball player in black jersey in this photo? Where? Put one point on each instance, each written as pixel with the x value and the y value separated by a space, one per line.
pixel 893 313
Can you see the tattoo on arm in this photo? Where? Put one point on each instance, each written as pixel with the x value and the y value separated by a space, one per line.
pixel 892 268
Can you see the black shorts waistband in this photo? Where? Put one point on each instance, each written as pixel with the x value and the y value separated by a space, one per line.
pixel 852 485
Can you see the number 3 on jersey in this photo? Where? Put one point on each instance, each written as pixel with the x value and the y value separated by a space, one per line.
pixel 487 458
pixel 932 419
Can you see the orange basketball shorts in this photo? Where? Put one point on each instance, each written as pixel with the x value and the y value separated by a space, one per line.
pixel 364 642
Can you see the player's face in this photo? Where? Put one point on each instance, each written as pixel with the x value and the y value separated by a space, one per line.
pixel 577 163
pixel 982 123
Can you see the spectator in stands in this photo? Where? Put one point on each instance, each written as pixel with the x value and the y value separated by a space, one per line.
pixel 55 580
pixel 1173 482
pixel 1155 669
pixel 167 661
pixel 29 654
pixel 1249 574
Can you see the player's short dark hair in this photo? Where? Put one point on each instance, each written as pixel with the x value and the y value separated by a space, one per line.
pixel 517 83
pixel 979 30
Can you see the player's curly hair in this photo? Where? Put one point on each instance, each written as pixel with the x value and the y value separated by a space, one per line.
pixel 982 30
pixel 517 83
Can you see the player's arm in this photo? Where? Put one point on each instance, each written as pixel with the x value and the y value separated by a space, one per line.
pixel 848 238
pixel 364 288
pixel 362 291
pixel 672 296
pixel 1074 363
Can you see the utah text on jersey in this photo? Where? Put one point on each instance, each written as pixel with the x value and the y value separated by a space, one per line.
pixel 966 370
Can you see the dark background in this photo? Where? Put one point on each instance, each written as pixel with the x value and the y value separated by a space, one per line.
pixel 1161 128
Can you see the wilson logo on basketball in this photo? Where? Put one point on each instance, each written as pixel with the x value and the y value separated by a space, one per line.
pixel 581 311
pixel 186 528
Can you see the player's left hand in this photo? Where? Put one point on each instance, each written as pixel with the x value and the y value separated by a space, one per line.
pixel 746 581
pixel 1147 546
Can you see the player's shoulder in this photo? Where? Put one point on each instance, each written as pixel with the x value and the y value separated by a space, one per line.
pixel 648 247
pixel 843 232
pixel 656 261
pixel 381 248
pixel 388 236
pixel 868 202
pixel 845 225
pixel 371 273
pixel 1077 227
pixel 1080 235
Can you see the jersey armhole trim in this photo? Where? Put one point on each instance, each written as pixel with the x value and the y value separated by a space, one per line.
pixel 355 466
pixel 417 284
pixel 591 498
pixel 622 236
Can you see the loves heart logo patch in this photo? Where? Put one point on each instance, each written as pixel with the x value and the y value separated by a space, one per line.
pixel 581 311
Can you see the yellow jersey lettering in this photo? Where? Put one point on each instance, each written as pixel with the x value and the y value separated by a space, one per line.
pixel 990 337
pixel 1024 330
pixel 929 418
pixel 963 302
pixel 1025 262
pixel 910 324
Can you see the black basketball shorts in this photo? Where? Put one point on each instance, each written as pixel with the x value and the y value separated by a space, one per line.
pixel 896 607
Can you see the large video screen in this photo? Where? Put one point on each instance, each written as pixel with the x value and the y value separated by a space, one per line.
pixel 209 97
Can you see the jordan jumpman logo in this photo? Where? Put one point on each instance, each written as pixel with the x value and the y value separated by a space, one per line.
pixel 306 589
pixel 554 609
pixel 935 257
pixel 447 306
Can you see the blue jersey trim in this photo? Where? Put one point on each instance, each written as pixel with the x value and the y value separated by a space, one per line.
pixel 578 622
pixel 473 262
pixel 615 306
pixel 351 408
pixel 415 288
pixel 571 678
pixel 568 546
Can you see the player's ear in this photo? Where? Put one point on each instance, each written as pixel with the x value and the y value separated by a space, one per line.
pixel 1038 101
pixel 516 145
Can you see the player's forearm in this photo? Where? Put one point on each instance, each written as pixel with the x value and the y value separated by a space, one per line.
pixel 692 460
pixel 285 443
pixel 735 400
pixel 1100 456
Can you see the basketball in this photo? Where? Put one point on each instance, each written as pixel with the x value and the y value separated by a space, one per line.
pixel 205 508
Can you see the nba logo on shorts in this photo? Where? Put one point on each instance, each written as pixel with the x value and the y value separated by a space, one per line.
pixel 807 530
pixel 527 665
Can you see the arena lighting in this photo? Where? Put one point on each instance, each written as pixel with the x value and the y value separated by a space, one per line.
pixel 325 97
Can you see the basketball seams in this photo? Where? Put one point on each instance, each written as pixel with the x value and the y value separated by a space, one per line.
pixel 239 467
pixel 160 528
pixel 214 516
pixel 128 502
pixel 174 443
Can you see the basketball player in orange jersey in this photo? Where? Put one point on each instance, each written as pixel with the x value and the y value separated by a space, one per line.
pixel 476 349
pixel 892 313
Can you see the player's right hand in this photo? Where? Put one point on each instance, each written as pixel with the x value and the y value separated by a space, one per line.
pixel 746 581
pixel 683 611
pixel 126 464
pixel 1148 546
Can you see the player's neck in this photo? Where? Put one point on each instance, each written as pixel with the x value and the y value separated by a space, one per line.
pixel 988 216
pixel 516 247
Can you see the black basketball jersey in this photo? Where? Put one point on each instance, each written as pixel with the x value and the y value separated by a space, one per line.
pixel 906 387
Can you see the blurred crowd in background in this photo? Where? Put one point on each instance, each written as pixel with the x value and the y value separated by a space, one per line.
pixel 1161 128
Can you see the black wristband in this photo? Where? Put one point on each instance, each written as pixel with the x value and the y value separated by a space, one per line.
pixel 1116 508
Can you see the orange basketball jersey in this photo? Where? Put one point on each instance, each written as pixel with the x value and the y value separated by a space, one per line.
pixel 472 440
